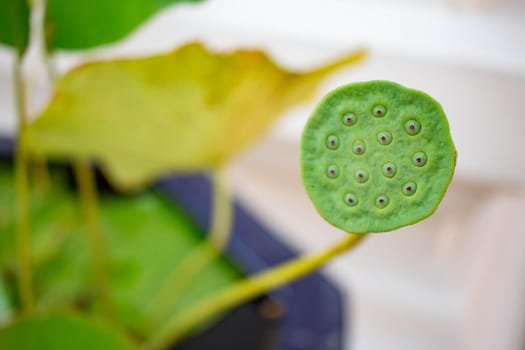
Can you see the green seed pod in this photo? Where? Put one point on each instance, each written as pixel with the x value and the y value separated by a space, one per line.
pixel 405 162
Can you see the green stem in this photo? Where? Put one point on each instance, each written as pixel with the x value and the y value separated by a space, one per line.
pixel 41 170
pixel 41 176
pixel 87 192
pixel 222 210
pixel 184 274
pixel 23 234
pixel 184 322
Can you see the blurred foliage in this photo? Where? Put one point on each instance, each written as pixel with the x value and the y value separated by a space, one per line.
pixel 6 302
pixel 188 110
pixel 61 331
pixel 75 25
pixel 14 24
pixel 145 234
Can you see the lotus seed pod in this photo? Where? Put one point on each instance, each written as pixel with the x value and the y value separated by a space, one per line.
pixel 393 161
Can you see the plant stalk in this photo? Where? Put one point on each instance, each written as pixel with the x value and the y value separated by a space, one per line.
pixel 87 193
pixel 184 274
pixel 42 178
pixel 222 216
pixel 184 322
pixel 23 233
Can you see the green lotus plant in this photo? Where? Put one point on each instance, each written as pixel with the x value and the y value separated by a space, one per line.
pixel 334 155
pixel 109 271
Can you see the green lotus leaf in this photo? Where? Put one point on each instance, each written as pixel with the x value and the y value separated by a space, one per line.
pixel 14 24
pixel 60 331
pixel 146 236
pixel 75 25
pixel 185 111
pixel 6 302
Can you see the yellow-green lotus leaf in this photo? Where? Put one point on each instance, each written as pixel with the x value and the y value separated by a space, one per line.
pixel 188 110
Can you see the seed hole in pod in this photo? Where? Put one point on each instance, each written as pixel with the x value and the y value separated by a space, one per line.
pixel 382 201
pixel 332 142
pixel 379 111
pixel 384 138
pixel 419 159
pixel 412 127
pixel 389 169
pixel 332 171
pixel 349 118
pixel 350 199
pixel 409 188
pixel 359 147
pixel 361 175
